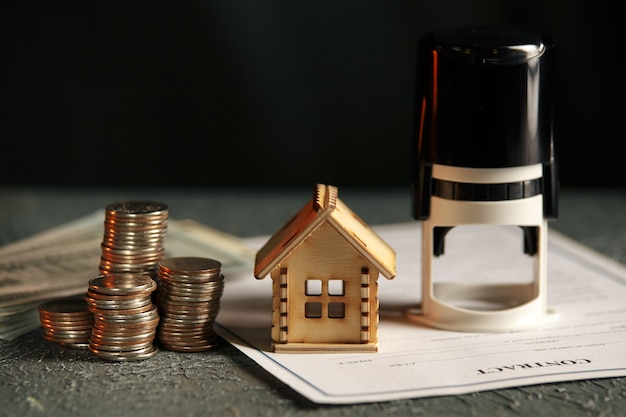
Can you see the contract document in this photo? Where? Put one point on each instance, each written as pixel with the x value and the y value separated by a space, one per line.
pixel 584 339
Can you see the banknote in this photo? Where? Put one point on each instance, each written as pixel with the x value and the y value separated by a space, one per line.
pixel 59 262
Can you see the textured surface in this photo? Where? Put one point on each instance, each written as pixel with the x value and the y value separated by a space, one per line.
pixel 39 378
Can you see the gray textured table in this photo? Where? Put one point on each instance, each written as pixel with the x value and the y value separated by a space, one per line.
pixel 38 378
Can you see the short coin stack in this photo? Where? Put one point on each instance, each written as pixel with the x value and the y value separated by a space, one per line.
pixel 134 236
pixel 188 298
pixel 66 321
pixel 125 319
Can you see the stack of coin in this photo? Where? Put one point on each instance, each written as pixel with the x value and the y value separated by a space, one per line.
pixel 134 236
pixel 188 298
pixel 66 321
pixel 125 318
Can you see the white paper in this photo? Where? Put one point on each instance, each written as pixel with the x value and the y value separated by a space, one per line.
pixel 585 340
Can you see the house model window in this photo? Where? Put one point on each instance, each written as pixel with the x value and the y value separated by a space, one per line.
pixel 320 301
pixel 324 265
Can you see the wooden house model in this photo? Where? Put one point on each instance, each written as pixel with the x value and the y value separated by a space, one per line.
pixel 324 265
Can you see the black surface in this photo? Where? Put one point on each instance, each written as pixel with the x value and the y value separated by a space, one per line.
pixel 270 93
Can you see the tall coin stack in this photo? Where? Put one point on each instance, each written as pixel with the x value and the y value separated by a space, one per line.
pixel 125 318
pixel 188 298
pixel 134 236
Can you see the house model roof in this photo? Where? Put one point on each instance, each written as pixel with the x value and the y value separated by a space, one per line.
pixel 325 206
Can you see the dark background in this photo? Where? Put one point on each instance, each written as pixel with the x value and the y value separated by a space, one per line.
pixel 267 93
